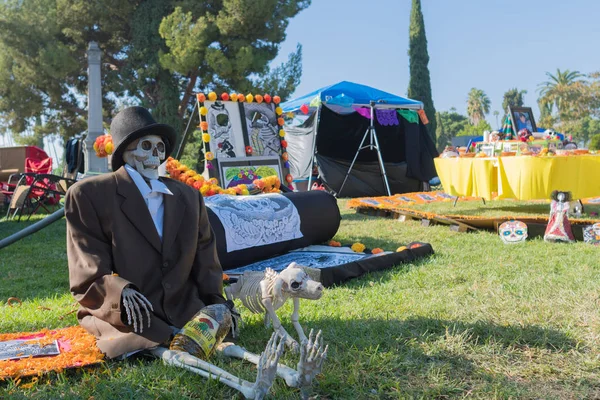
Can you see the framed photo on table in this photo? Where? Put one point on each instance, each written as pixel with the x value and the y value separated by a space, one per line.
pixel 522 117
pixel 237 171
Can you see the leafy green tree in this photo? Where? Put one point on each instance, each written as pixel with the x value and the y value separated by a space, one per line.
pixel 570 103
pixel 553 90
pixel 453 122
pixel 475 130
pixel 478 105
pixel 443 139
pixel 419 86
pixel 156 53
pixel 595 142
pixel 513 98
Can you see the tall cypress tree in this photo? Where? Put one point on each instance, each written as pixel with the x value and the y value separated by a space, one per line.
pixel 419 87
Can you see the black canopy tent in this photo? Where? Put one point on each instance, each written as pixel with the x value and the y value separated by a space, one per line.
pixel 333 133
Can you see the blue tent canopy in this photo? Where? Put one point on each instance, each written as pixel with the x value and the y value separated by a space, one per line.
pixel 348 94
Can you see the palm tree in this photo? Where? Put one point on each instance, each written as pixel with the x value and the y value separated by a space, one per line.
pixel 551 91
pixel 478 105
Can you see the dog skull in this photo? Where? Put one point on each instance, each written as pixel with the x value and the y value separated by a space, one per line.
pixel 147 156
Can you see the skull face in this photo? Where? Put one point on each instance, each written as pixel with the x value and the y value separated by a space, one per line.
pixel 298 284
pixel 146 157
pixel 513 232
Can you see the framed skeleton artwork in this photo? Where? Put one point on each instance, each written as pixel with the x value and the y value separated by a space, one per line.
pixel 236 127
pixel 262 129
pixel 225 129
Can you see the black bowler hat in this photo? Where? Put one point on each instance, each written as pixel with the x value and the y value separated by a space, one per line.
pixel 132 123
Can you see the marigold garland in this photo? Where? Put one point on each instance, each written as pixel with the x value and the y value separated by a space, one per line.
pixel 78 348
pixel 376 250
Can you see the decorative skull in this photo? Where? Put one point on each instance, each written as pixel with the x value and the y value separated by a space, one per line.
pixel 513 232
pixel 147 155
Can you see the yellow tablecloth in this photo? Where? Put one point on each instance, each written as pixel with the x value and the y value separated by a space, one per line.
pixel 476 177
pixel 522 178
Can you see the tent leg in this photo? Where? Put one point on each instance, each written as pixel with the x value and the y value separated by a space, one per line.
pixel 313 159
pixel 384 175
pixel 360 147
pixel 372 138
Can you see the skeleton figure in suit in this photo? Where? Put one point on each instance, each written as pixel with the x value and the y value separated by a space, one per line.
pixel 141 252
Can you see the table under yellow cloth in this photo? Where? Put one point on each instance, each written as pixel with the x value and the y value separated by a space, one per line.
pixel 520 177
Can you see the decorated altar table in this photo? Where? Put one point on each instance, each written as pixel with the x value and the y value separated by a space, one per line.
pixel 520 177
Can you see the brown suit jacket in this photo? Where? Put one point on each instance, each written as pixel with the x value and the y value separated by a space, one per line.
pixel 112 243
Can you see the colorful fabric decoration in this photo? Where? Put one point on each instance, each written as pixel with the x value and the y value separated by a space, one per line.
pixel 409 115
pixel 364 111
pixel 387 117
pixel 507 132
pixel 423 117
pixel 512 232
pixel 591 234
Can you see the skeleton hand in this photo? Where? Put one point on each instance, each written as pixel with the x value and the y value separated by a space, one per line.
pixel 312 356
pixel 134 303
pixel 267 366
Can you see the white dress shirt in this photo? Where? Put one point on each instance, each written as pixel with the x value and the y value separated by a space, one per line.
pixel 153 197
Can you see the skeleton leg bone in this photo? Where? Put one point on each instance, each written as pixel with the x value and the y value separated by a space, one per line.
pixel 289 340
pixel 296 323
pixel 312 355
pixel 267 366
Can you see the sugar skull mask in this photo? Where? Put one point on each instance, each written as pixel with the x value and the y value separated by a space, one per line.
pixel 513 232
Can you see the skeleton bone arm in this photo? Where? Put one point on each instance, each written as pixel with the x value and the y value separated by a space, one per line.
pixel 267 367
pixel 135 304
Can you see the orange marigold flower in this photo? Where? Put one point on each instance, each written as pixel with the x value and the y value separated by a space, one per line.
pixel 376 250
pixel 333 243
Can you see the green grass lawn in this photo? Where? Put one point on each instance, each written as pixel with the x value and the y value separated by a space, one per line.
pixel 479 319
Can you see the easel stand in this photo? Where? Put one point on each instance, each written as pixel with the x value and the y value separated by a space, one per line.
pixel 373 145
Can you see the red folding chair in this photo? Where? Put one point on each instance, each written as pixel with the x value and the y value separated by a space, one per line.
pixel 28 192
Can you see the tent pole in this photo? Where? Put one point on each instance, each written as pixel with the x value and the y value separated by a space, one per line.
pixel 372 137
pixel 313 159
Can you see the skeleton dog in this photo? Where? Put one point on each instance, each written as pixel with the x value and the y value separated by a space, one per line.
pixel 266 292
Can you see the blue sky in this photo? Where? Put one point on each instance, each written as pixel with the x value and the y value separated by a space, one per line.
pixel 493 45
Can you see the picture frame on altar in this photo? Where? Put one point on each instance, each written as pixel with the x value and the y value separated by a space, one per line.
pixel 521 118
pixel 243 170
pixel 262 129
pixel 488 149
pixel 226 129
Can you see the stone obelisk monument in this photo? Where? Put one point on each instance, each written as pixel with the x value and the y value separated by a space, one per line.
pixel 94 165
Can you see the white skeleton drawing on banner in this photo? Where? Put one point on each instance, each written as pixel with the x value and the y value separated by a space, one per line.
pixel 220 129
pixel 263 135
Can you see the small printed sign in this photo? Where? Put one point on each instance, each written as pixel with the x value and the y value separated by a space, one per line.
pixel 15 349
